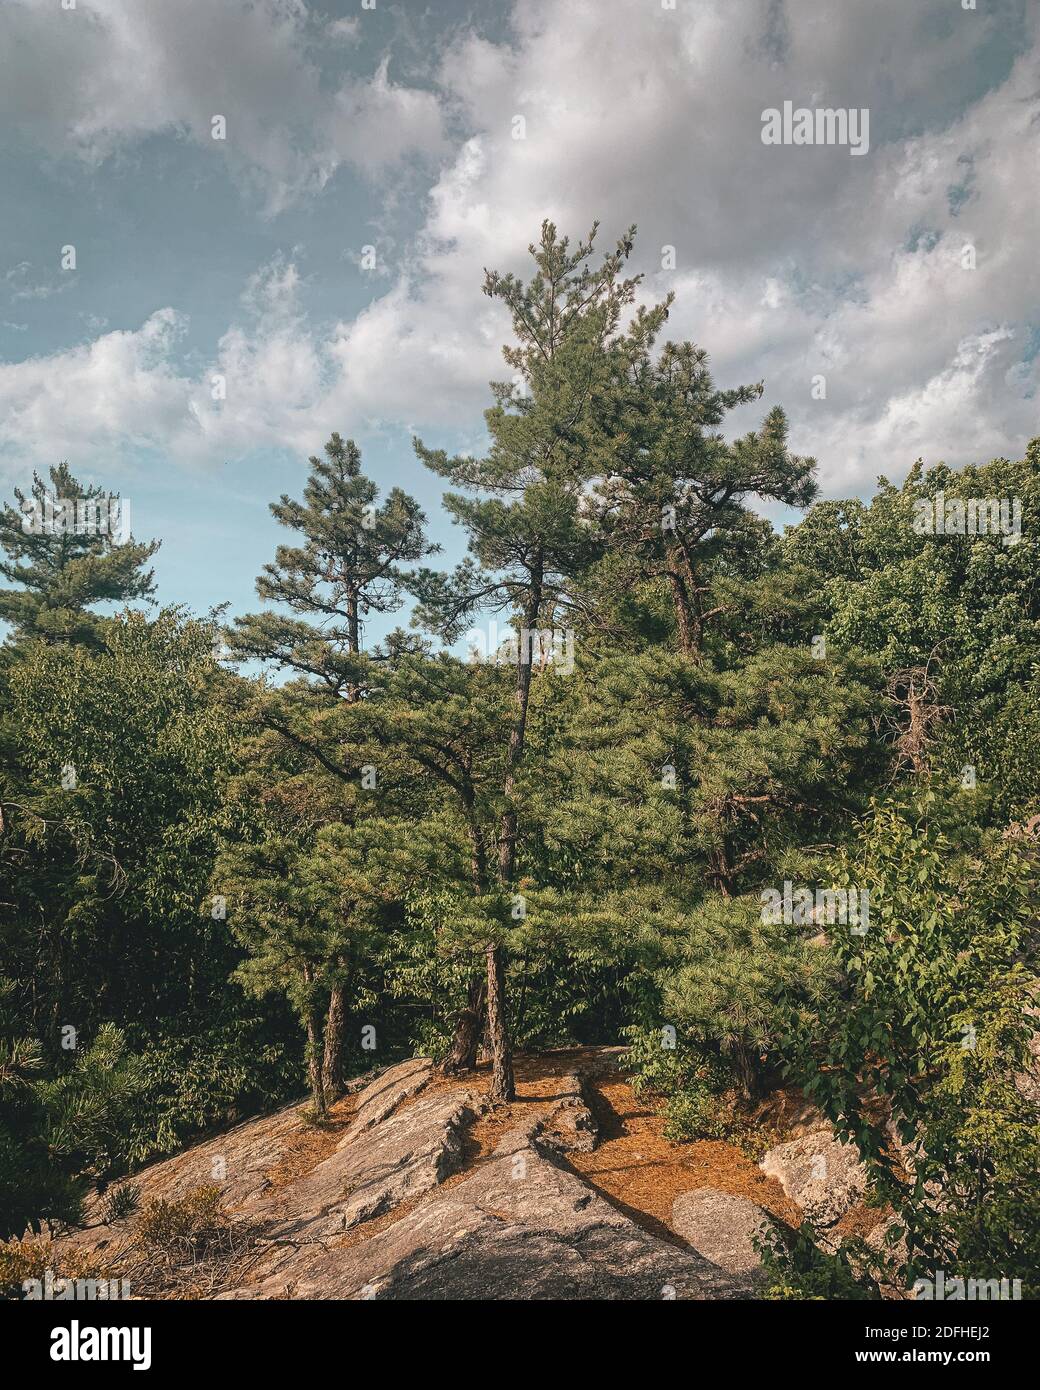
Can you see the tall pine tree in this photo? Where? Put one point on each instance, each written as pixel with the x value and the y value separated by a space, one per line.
pixel 671 495
pixel 348 566
pixel 527 532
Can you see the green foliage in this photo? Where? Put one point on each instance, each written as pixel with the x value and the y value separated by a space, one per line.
pixel 692 1083
pixel 209 1075
pixel 795 1268
pixel 217 880
pixel 968 605
pixel 112 807
pixel 87 1107
pixel 731 973
pixel 348 566
pixel 60 1128
pixel 30 1185
pixel 425 966
pixel 64 570
pixel 929 1025
pixel 121 1201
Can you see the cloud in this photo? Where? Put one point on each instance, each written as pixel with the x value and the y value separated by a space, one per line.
pixel 134 68
pixel 344 30
pixel 19 287
pixel 791 263
pixel 274 381
pixel 117 392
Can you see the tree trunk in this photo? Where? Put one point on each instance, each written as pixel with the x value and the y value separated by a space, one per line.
pixel 503 1085
pixel 352 692
pixel 462 1055
pixel 522 696
pixel 332 1067
pixel 314 1066
pixel 678 571
pixel 720 869
pixel 469 1022
pixel 747 1071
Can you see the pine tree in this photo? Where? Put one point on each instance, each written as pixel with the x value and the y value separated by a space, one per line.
pixel 671 495
pixel 307 895
pixel 63 554
pixel 290 946
pixel 529 538
pixel 348 567
pixel 445 721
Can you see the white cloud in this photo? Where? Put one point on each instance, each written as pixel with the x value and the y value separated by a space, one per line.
pixel 133 68
pixel 791 262
pixel 118 391
pixel 273 381
pixel 344 30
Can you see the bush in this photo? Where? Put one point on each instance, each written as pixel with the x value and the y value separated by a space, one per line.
pixel 207 1077
pixel 931 1026
pixel 797 1269
pixel 59 1129
pixel 724 990
pixel 31 1258
pixel 121 1202
pixel 692 1084
pixel 187 1227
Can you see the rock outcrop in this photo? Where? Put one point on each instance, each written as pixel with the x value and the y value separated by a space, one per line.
pixel 407 1204
pixel 723 1228
pixel 819 1173
pixel 519 1226
pixel 377 1167
pixel 382 1096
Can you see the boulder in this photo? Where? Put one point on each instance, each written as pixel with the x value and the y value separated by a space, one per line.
pixel 819 1173
pixel 570 1126
pixel 722 1228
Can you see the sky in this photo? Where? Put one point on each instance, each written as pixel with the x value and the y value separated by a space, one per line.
pixel 323 261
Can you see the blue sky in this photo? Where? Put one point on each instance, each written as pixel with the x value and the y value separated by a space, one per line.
pixel 393 127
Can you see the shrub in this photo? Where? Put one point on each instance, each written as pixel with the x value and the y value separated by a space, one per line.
pixel 31 1258
pixel 187 1227
pixel 934 1021
pixel 795 1268
pixel 692 1084
pixel 121 1202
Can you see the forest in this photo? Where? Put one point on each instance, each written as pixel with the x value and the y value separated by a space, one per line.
pixel 758 803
